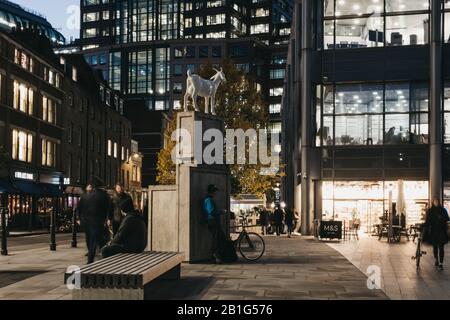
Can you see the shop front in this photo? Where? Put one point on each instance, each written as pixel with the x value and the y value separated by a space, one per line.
pixel 369 202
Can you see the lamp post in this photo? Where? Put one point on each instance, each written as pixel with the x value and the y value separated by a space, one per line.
pixel 4 212
pixel 74 229
pixel 53 226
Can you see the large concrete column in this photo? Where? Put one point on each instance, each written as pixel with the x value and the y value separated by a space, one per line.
pixel 306 119
pixel 436 134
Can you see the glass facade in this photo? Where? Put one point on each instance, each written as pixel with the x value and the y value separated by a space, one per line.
pixel 149 20
pixel 375 23
pixel 372 114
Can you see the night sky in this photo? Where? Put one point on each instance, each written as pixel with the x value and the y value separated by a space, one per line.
pixel 56 12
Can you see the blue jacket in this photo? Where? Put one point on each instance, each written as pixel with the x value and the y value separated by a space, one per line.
pixel 209 208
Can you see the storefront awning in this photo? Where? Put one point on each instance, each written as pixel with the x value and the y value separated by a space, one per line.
pixel 7 187
pixel 29 187
pixel 37 189
pixel 52 190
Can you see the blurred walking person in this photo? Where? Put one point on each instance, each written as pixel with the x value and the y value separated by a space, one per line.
pixel 437 224
pixel 278 216
pixel 289 220
pixel 119 197
pixel 95 209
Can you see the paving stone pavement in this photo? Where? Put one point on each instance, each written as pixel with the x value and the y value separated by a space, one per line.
pixel 399 278
pixel 296 268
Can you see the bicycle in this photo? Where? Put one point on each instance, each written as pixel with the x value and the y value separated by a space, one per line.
pixel 250 245
pixel 419 251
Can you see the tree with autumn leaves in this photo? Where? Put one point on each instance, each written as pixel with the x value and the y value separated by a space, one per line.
pixel 240 104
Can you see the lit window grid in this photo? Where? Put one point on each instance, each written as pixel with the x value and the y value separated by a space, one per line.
pixel 382 19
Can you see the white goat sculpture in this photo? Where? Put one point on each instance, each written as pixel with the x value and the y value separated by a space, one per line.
pixel 197 86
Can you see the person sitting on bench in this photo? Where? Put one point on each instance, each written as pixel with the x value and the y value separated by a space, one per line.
pixel 131 236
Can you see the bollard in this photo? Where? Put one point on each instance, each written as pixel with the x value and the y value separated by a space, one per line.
pixel 53 228
pixel 4 212
pixel 74 229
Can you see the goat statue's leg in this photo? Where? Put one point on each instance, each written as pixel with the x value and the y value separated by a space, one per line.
pixel 213 105
pixel 194 99
pixel 206 105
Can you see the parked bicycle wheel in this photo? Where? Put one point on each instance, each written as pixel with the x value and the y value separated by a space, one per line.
pixel 251 246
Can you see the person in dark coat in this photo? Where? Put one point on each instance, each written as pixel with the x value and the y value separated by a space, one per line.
pixel 289 220
pixel 278 217
pixel 437 224
pixel 132 234
pixel 95 210
pixel 264 220
pixel 119 197
pixel 211 215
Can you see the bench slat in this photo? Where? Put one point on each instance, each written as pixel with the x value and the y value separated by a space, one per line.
pixel 125 264
pixel 113 263
pixel 128 270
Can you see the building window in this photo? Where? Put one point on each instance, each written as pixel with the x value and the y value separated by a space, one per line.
pixel 109 148
pixel 178 70
pixel 216 52
pixel 23 98
pixel 74 74
pixel 373 114
pixel 48 153
pixel 91 16
pixel 215 19
pixel 177 87
pixel 376 24
pixel 115 73
pixel 115 150
pixel 123 154
pixel 447 112
pixel 203 52
pixel 259 28
pixel 275 108
pixel 277 74
pixel 24 60
pixel 49 110
pixel 140 76
pixel 276 92
pixel 22 146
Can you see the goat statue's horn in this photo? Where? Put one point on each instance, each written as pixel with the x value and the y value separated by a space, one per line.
pixel 215 70
pixel 221 69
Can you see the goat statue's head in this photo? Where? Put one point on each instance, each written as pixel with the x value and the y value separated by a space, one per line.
pixel 220 75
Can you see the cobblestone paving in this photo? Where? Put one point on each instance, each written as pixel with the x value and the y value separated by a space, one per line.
pixel 399 278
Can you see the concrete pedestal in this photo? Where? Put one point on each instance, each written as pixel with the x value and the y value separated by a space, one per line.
pixel 175 214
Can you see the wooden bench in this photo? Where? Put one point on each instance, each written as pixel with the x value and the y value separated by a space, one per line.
pixel 124 276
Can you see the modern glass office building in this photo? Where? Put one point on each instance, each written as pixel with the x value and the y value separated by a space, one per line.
pixel 145 47
pixel 371 115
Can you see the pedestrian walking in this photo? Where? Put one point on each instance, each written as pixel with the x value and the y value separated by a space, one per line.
pixel 297 222
pixel 95 209
pixel 131 237
pixel 264 220
pixel 289 220
pixel 437 225
pixel 212 217
pixel 278 220
pixel 119 197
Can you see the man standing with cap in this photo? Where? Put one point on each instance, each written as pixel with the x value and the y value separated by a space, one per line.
pixel 212 216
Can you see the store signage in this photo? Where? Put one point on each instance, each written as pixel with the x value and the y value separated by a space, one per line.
pixel 24 175
pixel 66 181
pixel 330 230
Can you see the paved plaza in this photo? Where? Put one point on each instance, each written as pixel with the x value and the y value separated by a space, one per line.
pixel 399 278
pixel 297 268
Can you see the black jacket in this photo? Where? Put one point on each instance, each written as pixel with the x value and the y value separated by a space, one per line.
pixel 132 233
pixel 278 216
pixel 95 207
pixel 437 220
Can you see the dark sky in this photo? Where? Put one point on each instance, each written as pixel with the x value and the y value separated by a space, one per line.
pixel 62 14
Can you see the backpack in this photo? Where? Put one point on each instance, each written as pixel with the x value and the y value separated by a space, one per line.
pixel 229 252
